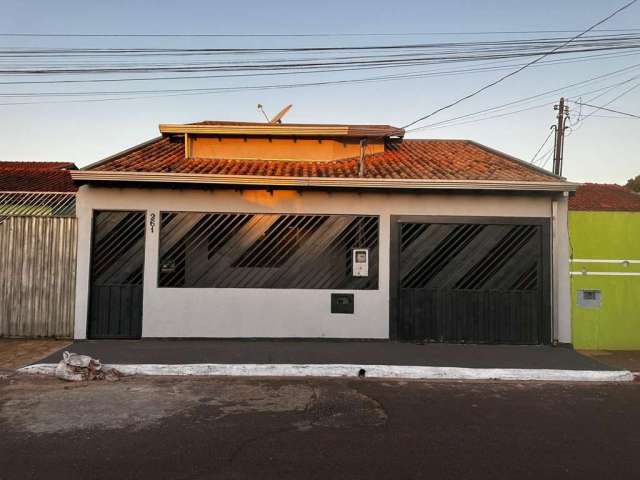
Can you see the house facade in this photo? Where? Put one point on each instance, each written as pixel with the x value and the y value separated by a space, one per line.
pixel 247 230
pixel 604 227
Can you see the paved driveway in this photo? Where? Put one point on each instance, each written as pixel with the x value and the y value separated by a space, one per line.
pixel 327 351
pixel 181 428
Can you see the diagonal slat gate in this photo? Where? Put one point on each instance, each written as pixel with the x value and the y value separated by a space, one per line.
pixel 475 281
pixel 117 265
pixel 236 250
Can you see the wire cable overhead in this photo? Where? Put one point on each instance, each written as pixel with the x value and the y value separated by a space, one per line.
pixel 515 72
pixel 290 35
pixel 633 115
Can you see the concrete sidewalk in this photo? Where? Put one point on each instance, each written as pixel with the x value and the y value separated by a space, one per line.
pixel 620 359
pixel 305 352
pixel 374 359
pixel 17 352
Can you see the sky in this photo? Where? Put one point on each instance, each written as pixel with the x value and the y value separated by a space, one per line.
pixel 600 149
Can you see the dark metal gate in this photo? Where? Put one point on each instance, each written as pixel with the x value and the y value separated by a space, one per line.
pixel 470 280
pixel 117 265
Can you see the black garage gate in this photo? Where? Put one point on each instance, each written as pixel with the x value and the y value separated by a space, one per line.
pixel 470 280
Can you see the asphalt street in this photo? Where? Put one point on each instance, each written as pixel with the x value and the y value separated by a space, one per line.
pixel 199 428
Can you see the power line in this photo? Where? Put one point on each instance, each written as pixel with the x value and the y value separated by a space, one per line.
pixel 451 122
pixel 491 117
pixel 538 95
pixel 626 92
pixel 407 76
pixel 193 91
pixel 484 67
pixel 218 90
pixel 208 91
pixel 302 35
pixel 495 82
pixel 543 144
pixel 607 109
pixel 517 42
pixel 333 63
pixel 613 116
pixel 402 55
pixel 546 157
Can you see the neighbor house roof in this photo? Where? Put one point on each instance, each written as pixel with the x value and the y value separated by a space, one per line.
pixel 38 165
pixel 36 177
pixel 604 197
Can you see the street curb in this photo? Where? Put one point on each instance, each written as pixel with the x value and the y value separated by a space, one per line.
pixel 347 370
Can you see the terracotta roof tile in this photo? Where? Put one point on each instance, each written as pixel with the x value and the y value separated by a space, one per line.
pixel 36 180
pixel 37 165
pixel 604 197
pixel 36 177
pixel 403 159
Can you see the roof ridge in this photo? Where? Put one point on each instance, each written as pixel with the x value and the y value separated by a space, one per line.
pixel 517 160
pixel 32 169
pixel 461 140
pixel 597 184
pixel 35 165
pixel 124 152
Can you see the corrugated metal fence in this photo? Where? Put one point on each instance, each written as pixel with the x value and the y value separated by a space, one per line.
pixel 37 275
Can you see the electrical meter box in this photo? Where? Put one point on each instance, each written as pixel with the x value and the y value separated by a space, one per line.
pixel 360 262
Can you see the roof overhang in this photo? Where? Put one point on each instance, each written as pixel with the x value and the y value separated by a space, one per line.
pixel 320 182
pixel 267 129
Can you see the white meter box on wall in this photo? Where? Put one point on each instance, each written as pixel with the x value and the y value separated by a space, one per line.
pixel 360 262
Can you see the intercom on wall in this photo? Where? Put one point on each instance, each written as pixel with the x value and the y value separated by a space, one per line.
pixel 360 262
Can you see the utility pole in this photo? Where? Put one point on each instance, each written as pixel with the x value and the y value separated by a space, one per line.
pixel 558 150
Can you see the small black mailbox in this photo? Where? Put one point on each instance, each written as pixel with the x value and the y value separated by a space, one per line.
pixel 342 303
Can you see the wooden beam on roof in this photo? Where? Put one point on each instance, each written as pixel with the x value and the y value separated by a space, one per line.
pixel 285 130
pixel 187 146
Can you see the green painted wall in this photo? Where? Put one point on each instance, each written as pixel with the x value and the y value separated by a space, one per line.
pixel 615 325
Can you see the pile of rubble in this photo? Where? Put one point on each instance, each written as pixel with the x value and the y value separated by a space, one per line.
pixel 79 368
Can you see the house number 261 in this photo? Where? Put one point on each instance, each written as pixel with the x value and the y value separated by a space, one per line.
pixel 152 221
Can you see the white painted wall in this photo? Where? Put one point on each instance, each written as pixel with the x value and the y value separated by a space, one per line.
pixel 562 303
pixel 202 312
